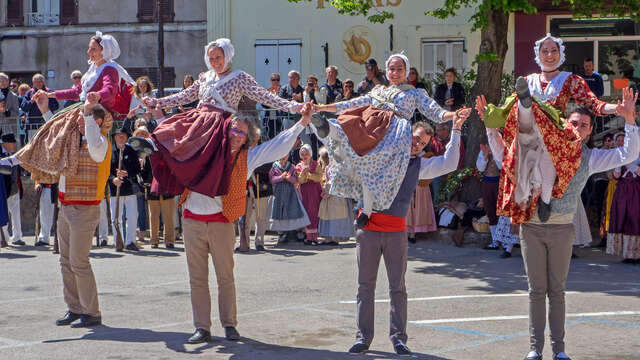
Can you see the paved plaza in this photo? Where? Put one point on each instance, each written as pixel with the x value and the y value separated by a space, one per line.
pixel 298 302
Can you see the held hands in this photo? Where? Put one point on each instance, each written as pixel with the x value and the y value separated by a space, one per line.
pixel 41 99
pixel 93 97
pixel 117 182
pixel 150 102
pixel 122 174
pixel 133 111
pixel 306 112
pixel 481 104
pixel 627 107
pixel 448 102
pixel 461 116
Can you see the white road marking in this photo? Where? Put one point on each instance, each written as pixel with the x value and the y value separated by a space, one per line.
pixel 518 317
pixel 452 297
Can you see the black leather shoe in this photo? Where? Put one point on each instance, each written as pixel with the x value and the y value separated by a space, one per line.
pixel 505 255
pixel 170 246
pixel 41 243
pixel 18 242
pixel 359 348
pixel 362 221
pixel 231 333
pixel 87 321
pixel 522 90
pixel 132 247
pixel 141 145
pixel 103 243
pixel 321 124
pixel 260 248
pixel 534 357
pixel 544 211
pixel 412 239
pixel 68 318
pixel 200 336
pixel 401 349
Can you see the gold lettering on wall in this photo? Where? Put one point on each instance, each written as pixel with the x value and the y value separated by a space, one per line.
pixel 374 3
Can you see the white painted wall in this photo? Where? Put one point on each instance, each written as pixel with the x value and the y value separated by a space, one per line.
pixel 250 20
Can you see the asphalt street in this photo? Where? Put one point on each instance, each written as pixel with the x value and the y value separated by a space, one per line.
pixel 298 302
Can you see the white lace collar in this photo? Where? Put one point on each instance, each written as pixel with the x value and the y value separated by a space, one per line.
pixel 551 92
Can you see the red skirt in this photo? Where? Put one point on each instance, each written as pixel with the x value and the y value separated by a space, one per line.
pixel 194 152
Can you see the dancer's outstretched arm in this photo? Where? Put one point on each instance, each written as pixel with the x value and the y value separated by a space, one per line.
pixel 439 165
pixel 279 146
pixel 603 160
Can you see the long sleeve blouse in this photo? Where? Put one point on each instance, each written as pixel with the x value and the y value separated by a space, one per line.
pixel 106 85
pixel 404 103
pixel 231 88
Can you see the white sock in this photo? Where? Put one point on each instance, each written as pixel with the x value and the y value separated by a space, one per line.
pixel 548 172
pixel 367 201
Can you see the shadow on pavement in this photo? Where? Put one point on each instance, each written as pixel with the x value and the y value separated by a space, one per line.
pixel 591 272
pixel 12 255
pixel 244 349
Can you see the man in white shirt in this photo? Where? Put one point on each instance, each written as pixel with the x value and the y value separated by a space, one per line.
pixel 546 247
pixel 208 225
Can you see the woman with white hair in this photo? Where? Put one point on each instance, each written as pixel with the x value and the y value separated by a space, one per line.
pixel 374 178
pixel 28 104
pixel 197 131
pixel 47 155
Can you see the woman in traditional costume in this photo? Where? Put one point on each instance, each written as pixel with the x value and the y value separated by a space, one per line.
pixel 52 151
pixel 336 213
pixel 287 211
pixel 309 174
pixel 191 144
pixel 371 139
pixel 543 151
pixel 623 238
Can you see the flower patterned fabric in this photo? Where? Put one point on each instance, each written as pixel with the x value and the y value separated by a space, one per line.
pixel 381 170
pixel 404 103
pixel 231 88
pixel 564 147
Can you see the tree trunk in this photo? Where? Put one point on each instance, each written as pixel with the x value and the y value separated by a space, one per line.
pixel 488 83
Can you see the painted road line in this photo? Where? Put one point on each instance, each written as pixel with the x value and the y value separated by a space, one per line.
pixel 519 317
pixel 452 297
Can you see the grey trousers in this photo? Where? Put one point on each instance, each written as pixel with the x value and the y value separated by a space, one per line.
pixel 546 250
pixel 393 247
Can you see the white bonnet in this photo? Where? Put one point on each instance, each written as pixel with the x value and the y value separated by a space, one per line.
pixel 227 49
pixel 404 58
pixel 558 41
pixel 110 47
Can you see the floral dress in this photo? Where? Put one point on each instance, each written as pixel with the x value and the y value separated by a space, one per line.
pixel 381 170
pixel 563 145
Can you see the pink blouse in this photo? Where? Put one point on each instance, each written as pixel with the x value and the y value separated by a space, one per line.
pixel 106 86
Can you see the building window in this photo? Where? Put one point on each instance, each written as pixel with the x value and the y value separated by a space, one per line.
pixel 14 13
pixel 152 73
pixel 612 43
pixel 68 12
pixel 437 53
pixel 45 12
pixel 147 10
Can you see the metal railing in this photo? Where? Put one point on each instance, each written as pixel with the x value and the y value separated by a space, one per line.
pixel 42 19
